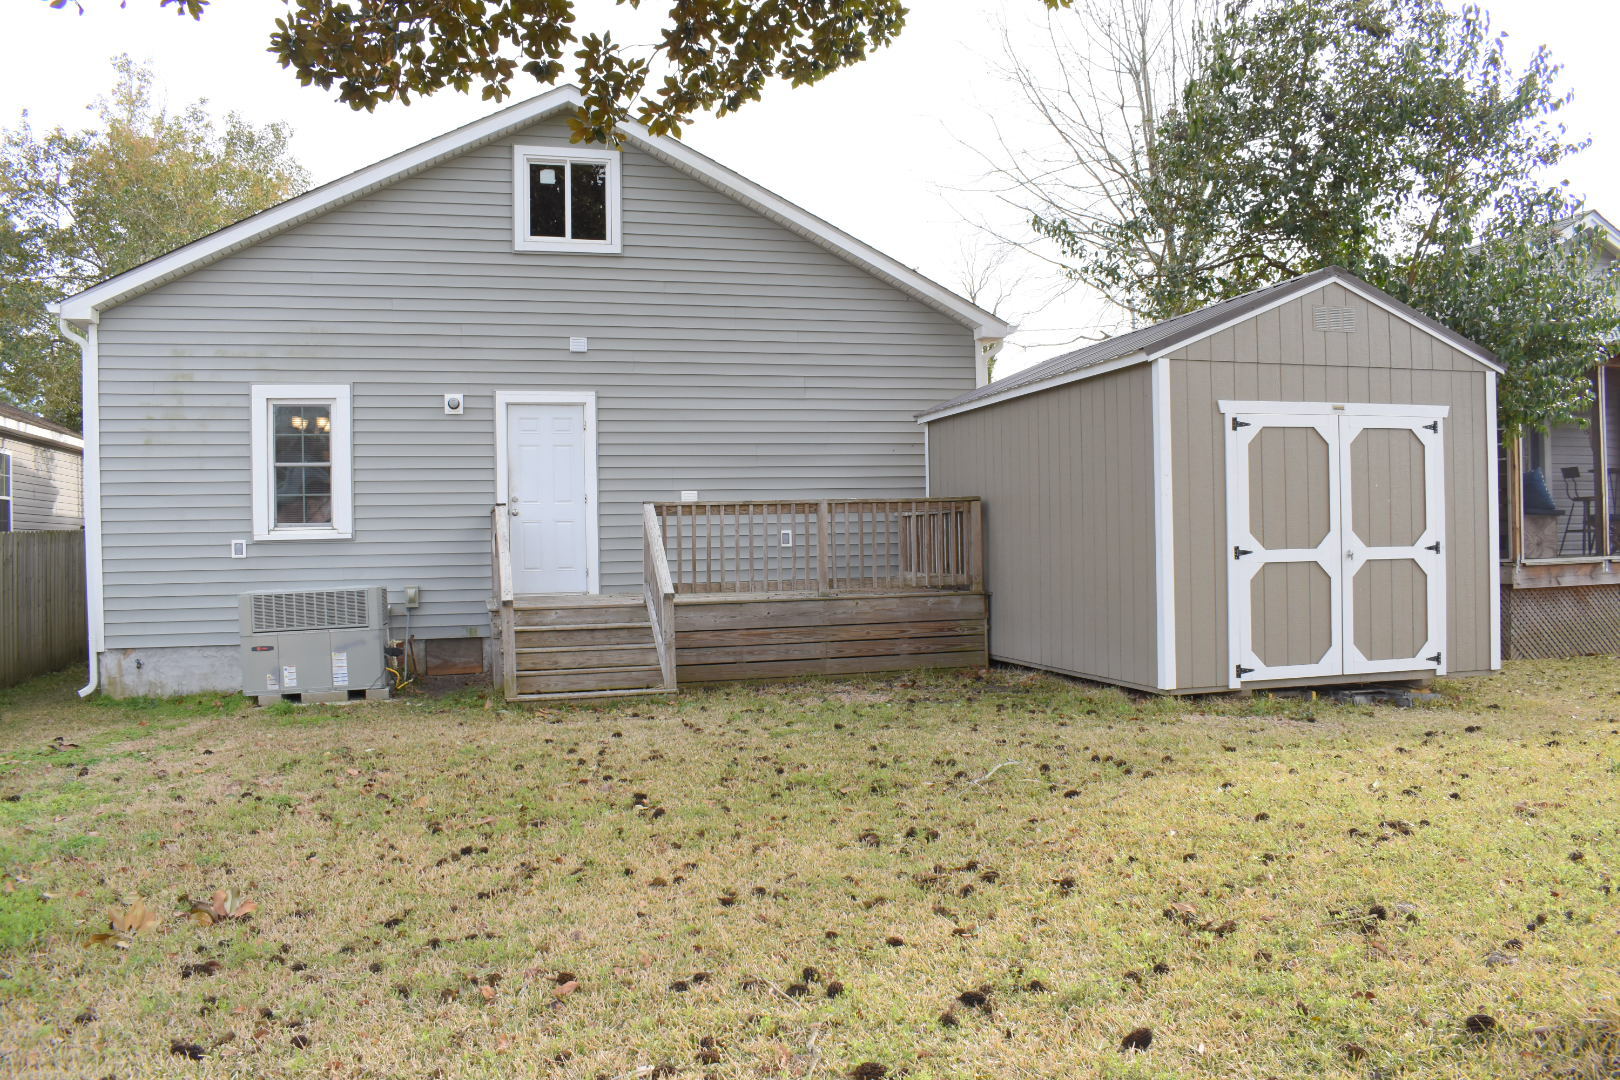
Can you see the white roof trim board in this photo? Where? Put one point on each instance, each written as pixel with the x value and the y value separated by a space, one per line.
pixel 1151 342
pixel 22 429
pixel 1591 219
pixel 86 306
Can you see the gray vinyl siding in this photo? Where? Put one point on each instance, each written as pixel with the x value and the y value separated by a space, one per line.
pixel 1067 481
pixel 47 485
pixel 1278 356
pixel 730 356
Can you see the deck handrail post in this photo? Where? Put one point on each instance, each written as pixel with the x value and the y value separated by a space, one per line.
pixel 659 591
pixel 975 552
pixel 504 618
pixel 824 566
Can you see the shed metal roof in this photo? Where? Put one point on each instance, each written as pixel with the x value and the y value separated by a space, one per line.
pixel 1149 342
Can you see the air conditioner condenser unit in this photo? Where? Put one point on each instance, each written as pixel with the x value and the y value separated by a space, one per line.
pixel 326 642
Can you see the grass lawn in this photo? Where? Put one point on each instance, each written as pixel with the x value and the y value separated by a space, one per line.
pixel 930 876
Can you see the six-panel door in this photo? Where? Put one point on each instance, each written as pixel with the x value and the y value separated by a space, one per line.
pixel 1336 531
pixel 547 498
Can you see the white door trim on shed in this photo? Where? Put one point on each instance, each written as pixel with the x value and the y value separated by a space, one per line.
pixel 1312 408
pixel 587 399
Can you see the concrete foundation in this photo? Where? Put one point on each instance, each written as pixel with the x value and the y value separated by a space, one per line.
pixel 192 669
pixel 199 669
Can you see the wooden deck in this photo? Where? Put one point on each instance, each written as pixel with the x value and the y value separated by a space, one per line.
pixel 758 590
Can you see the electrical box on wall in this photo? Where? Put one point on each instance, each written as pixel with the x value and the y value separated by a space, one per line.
pixel 689 496
pixel 455 404
pixel 238 549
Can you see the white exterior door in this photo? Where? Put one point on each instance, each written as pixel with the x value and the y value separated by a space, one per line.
pixel 1336 520
pixel 549 471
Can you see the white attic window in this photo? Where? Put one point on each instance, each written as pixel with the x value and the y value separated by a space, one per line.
pixel 565 198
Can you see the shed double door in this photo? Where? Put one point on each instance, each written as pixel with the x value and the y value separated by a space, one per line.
pixel 1336 528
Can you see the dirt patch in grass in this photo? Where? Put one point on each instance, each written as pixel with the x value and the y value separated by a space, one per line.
pixel 935 876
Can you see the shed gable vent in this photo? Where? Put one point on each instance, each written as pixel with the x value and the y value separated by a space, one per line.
pixel 328 609
pixel 1338 320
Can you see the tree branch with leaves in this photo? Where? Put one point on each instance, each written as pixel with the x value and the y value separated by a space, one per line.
pixel 1390 137
pixel 710 56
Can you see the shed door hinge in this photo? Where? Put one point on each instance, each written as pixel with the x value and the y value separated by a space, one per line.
pixel 1242 671
pixel 1434 547
pixel 1435 659
pixel 1433 425
pixel 1236 423
pixel 1238 552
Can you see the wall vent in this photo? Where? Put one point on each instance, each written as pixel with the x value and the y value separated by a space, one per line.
pixel 327 609
pixel 1338 320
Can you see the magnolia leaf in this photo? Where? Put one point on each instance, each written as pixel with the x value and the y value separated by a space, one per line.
pixel 139 917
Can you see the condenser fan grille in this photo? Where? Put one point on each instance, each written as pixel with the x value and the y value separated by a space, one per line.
pixel 326 609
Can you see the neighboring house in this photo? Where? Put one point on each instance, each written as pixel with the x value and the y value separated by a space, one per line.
pixel 339 391
pixel 41 473
pixel 1561 521
pixel 1290 487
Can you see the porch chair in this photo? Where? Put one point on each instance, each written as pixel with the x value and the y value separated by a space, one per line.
pixel 1581 519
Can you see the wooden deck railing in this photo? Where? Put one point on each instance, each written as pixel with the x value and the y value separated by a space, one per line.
pixel 829 546
pixel 500 539
pixel 660 593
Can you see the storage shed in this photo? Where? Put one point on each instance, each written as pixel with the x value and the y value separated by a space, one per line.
pixel 1293 487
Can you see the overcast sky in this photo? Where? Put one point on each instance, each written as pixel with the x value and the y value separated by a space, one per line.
pixel 888 150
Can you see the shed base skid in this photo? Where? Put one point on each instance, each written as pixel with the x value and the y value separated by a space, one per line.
pixel 1412 679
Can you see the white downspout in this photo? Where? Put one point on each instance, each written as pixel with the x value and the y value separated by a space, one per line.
pixel 91 405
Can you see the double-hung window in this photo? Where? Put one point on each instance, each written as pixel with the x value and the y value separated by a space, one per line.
pixel 5 492
pixel 302 463
pixel 565 198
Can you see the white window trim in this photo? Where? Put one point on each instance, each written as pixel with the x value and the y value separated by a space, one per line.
pixel 338 396
pixel 522 156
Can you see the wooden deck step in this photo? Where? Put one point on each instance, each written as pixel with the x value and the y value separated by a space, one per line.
pixel 586 695
pixel 636 654
pixel 593 615
pixel 575 635
pixel 575 680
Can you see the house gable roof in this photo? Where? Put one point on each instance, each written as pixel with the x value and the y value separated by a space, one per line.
pixel 84 307
pixel 1151 342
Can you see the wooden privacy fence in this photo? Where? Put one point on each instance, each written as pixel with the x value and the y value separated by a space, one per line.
pixel 42 627
pixel 830 546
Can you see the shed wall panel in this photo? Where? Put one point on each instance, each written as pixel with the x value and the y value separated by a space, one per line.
pixel 729 354
pixel 1067 482
pixel 1385 360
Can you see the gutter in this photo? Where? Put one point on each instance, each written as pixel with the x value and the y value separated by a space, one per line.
pixel 91 403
